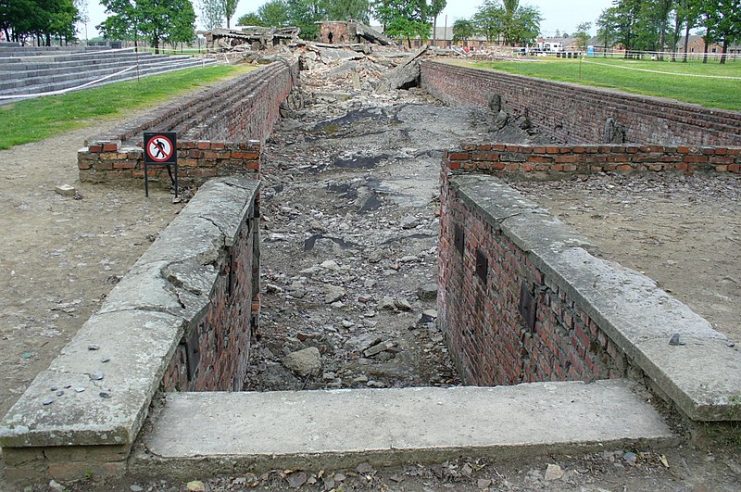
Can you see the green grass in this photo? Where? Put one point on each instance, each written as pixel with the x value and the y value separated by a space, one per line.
pixel 622 75
pixel 37 119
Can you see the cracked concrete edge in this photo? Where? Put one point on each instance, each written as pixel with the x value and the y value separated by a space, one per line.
pixel 702 377
pixel 132 338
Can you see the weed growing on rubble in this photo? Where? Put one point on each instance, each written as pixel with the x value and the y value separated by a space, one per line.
pixel 689 82
pixel 36 119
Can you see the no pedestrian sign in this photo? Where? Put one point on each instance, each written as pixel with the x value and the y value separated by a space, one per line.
pixel 160 148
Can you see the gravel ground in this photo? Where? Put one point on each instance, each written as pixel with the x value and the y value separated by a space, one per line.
pixel 682 231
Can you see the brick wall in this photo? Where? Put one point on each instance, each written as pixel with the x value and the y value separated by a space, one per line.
pixel 214 352
pixel 482 276
pixel 576 114
pixel 556 161
pixel 220 131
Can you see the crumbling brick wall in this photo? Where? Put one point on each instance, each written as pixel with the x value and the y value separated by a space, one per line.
pixel 496 336
pixel 558 161
pixel 220 132
pixel 214 352
pixel 578 114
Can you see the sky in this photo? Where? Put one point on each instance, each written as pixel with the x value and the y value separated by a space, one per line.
pixel 562 15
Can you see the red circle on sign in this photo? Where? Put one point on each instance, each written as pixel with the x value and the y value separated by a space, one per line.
pixel 160 148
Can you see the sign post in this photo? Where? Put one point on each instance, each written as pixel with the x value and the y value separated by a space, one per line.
pixel 160 148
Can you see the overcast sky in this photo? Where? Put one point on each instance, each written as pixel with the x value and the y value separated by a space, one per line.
pixel 563 15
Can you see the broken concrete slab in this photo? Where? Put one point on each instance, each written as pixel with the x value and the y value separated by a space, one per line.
pixel 338 429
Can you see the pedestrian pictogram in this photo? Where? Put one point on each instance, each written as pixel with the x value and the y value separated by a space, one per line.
pixel 160 148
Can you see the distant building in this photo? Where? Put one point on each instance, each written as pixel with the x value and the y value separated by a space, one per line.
pixel 697 45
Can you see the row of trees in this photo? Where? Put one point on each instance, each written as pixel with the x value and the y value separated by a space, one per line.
pixel 404 19
pixel 156 21
pixel 658 25
pixel 506 21
pixel 43 20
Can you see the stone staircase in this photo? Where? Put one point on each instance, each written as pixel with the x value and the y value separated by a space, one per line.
pixel 33 71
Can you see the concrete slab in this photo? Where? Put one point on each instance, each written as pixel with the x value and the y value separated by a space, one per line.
pixel 324 429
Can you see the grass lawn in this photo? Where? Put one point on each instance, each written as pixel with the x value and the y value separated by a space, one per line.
pixel 631 76
pixel 37 119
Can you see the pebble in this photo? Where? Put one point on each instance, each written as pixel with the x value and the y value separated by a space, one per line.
pixel 553 472
pixel 195 486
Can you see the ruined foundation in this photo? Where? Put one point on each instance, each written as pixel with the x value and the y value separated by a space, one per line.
pixel 520 300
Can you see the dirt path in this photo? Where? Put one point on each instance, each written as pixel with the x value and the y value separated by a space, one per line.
pixel 60 257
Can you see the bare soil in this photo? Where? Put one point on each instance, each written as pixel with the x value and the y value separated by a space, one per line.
pixel 682 231
pixel 60 256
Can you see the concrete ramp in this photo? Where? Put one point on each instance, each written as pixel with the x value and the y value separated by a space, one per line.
pixel 211 433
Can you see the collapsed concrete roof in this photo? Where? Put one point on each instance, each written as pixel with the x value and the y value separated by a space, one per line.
pixel 255 37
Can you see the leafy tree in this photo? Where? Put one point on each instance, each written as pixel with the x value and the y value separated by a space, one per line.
pixel 230 6
pixel 212 13
pixel 463 29
pixel 607 27
pixel 156 20
pixel 304 14
pixel 42 19
pixel 405 19
pixel 274 13
pixel 251 19
pixel 357 10
pixel 434 9
pixel 722 22
pixel 489 20
pixel 582 35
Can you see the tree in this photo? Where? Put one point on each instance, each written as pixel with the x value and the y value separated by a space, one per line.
pixel 157 20
pixel 274 13
pixel 40 19
pixel 607 27
pixel 212 13
pixel 405 19
pixel 582 35
pixel 724 21
pixel 229 6
pixel 434 9
pixel 345 10
pixel 463 29
pixel 489 20
pixel 251 19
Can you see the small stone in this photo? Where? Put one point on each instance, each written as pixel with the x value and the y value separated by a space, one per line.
pixel 105 360
pixel 97 376
pixel 56 486
pixel 65 190
pixel 339 477
pixel 195 486
pixel 387 303
pixel 333 294
pixel 364 468
pixel 553 472
pixel 427 292
pixel 409 222
pixel 630 458
pixel 93 347
pixel 306 362
pixel 675 340
pixel 483 483
pixel 79 390
pixel 48 401
pixel 60 393
pixel 104 394
pixel 296 480
pixel 136 488
pixel 402 304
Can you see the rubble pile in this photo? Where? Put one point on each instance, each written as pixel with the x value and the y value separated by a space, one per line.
pixel 350 225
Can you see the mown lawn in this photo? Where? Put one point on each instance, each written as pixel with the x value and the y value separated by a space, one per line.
pixel 37 119
pixel 687 82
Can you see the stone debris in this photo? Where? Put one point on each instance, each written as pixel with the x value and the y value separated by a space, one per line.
pixel 195 486
pixel 65 190
pixel 553 472
pixel 306 362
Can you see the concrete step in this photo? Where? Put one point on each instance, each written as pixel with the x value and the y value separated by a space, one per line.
pixel 201 434
pixel 89 71
pixel 160 67
pixel 19 66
